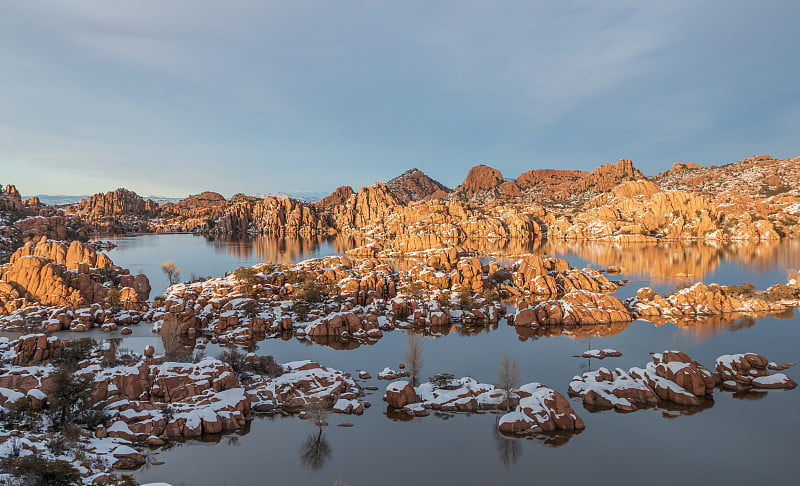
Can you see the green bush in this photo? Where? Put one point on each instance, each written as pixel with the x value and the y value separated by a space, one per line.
pixel 310 291
pixel 37 471
pixel 414 289
pixel 441 380
pixel 70 394
pixel 243 365
pixel 74 352
pixel 114 299
pixel 781 292
pixel 247 278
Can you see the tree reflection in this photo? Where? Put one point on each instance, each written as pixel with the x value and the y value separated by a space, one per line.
pixel 510 450
pixel 315 451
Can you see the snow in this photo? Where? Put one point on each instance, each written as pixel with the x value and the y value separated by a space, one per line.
pixel 774 379
pixel 397 386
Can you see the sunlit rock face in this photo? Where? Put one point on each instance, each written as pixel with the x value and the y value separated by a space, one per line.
pixel 121 202
pixel 59 274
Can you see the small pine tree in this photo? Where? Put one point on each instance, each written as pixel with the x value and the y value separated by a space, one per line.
pixel 114 299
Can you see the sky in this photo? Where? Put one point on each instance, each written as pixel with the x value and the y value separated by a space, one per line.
pixel 176 97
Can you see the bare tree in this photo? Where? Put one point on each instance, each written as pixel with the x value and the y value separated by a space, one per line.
pixel 316 449
pixel 172 271
pixel 414 357
pixel 509 377
pixel 318 410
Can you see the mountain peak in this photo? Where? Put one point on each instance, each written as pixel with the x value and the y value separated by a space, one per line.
pixel 414 185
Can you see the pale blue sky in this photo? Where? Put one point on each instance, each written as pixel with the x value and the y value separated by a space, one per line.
pixel 176 97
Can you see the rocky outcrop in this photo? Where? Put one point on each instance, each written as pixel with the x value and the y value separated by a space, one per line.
pixel 601 353
pixel 700 300
pixel 34 349
pixel 639 211
pixel 339 197
pixel 154 399
pixel 755 176
pixel 480 185
pixel 740 372
pixel 333 297
pixel 576 308
pixel 399 394
pixel 540 410
pixel 300 383
pixel 121 202
pixel 369 206
pixel 54 273
pixel 573 187
pixel 672 376
pixel 480 178
pixel 454 395
pixel 10 199
pixel 204 200
pixel 414 185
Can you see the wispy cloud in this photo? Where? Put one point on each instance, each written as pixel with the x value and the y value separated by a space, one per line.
pixel 314 94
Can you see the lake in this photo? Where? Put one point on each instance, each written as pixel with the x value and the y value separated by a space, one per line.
pixel 732 439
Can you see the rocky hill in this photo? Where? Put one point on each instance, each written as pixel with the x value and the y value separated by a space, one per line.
pixel 543 186
pixel 760 176
pixel 121 202
pixel 414 185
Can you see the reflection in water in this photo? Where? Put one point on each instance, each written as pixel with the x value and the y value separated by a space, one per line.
pixel 667 409
pixel 177 346
pixel 557 438
pixel 573 332
pixel 750 394
pixel 315 451
pixel 338 343
pixel 661 262
pixel 510 450
pixel 673 410
pixel 398 414
pixel 273 249
pixel 704 328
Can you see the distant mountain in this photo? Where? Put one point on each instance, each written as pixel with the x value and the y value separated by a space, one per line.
pixel 415 185
pixel 307 196
pixel 57 199
pixel 163 199
pixel 62 199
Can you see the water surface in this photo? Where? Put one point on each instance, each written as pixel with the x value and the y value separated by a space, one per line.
pixel 731 439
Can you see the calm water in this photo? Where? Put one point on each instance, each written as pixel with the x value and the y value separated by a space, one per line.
pixel 734 440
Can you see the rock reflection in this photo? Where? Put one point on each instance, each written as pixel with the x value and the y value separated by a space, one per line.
pixel 705 328
pixel 398 415
pixel 749 395
pixel 663 262
pixel 672 410
pixel 556 438
pixel 525 333
pixel 315 451
pixel 177 346
pixel 337 342
pixel 271 249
